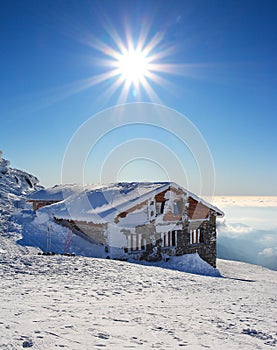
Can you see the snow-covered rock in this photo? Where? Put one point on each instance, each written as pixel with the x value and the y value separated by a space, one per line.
pixel 15 186
pixel 4 164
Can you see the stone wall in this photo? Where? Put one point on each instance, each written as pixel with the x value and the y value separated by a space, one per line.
pixel 206 249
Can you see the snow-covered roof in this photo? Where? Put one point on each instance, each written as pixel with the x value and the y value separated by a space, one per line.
pixel 55 194
pixel 101 203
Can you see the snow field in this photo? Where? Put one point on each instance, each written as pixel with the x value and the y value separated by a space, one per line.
pixel 85 303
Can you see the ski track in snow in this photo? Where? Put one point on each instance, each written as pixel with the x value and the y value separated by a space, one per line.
pixel 83 303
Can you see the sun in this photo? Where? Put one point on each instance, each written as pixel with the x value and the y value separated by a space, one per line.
pixel 133 66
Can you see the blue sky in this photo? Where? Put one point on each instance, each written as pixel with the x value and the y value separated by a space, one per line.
pixel 225 56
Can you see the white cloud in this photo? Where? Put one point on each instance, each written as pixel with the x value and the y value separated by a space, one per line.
pixel 249 233
pixel 245 201
pixel 268 238
pixel 233 229
pixel 269 252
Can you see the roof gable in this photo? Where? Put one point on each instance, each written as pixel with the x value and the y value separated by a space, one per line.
pixel 101 203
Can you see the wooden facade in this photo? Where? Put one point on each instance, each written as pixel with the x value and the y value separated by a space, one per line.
pixel 37 204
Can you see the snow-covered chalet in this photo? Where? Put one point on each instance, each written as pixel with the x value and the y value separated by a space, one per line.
pixel 146 221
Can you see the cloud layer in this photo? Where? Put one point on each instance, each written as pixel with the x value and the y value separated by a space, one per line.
pixel 245 201
pixel 248 232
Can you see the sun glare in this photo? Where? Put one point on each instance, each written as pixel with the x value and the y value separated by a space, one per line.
pixel 133 66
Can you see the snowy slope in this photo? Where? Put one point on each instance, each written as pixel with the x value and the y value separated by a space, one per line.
pixel 84 303
pixel 15 186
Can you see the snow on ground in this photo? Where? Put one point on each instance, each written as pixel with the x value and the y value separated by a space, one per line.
pixel 52 302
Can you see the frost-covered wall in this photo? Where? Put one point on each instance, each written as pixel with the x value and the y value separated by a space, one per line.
pixel 116 241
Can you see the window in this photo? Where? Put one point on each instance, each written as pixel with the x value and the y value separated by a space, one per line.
pixel 136 242
pixel 177 208
pixel 169 239
pixel 159 208
pixel 196 236
pixel 173 239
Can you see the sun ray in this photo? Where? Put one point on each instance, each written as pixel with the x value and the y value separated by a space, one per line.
pixel 124 92
pixel 82 84
pixel 154 42
pixel 160 80
pixel 159 55
pixel 114 35
pixel 129 39
pixel 150 91
pixel 142 39
pixel 108 93
pixel 102 47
